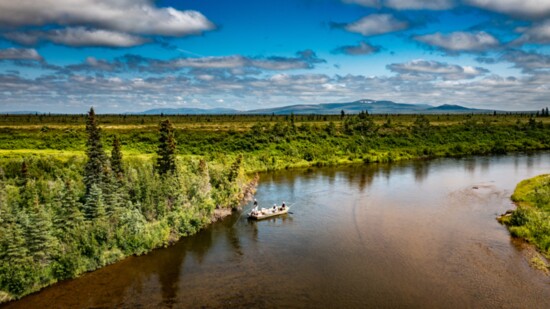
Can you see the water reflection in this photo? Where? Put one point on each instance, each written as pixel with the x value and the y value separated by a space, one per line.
pixel 409 234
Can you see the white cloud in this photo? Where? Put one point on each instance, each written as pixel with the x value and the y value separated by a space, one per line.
pixel 375 24
pixel 363 48
pixel 538 34
pixel 461 41
pixel 19 54
pixel 528 62
pixel 235 64
pixel 435 69
pixel 77 36
pixel 130 16
pixel 407 4
pixel 130 94
pixel 80 36
pixel 369 3
pixel 528 9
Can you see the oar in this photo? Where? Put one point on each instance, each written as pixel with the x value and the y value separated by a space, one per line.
pixel 288 205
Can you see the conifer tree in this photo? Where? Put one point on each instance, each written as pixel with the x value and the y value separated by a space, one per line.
pixel 235 168
pixel 95 166
pixel 16 251
pixel 24 174
pixel 39 238
pixel 116 158
pixel 94 208
pixel 166 160
pixel 68 215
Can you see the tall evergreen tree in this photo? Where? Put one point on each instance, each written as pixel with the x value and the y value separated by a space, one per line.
pixel 116 158
pixel 68 215
pixel 39 238
pixel 16 251
pixel 94 170
pixel 24 174
pixel 94 208
pixel 236 168
pixel 166 160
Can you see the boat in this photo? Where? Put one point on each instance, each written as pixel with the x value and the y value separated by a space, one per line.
pixel 265 213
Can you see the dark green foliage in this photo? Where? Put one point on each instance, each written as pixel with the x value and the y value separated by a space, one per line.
pixel 39 232
pixel 94 207
pixel 47 234
pixel 116 158
pixel 68 215
pixel 98 218
pixel 24 174
pixel 236 168
pixel 95 168
pixel 421 125
pixel 166 160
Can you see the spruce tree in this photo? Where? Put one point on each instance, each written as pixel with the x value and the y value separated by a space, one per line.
pixel 24 174
pixel 94 208
pixel 116 158
pixel 39 238
pixel 16 251
pixel 166 160
pixel 95 166
pixel 235 169
pixel 68 216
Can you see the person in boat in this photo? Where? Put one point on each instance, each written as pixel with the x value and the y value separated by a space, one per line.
pixel 283 206
pixel 274 207
pixel 255 209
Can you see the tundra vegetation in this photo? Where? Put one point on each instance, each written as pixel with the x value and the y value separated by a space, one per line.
pixel 531 219
pixel 78 192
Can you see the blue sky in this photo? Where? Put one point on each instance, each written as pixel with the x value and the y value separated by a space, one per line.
pixel 133 55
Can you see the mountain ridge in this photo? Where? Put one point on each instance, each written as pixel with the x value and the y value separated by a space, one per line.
pixel 372 106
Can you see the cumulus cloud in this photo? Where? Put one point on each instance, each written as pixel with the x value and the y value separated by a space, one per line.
pixel 19 54
pixel 247 92
pixel 109 23
pixel 538 34
pixel 235 64
pixel 376 24
pixel 527 9
pixel 78 37
pixel 460 41
pixel 435 69
pixel 406 4
pixel 131 16
pixel 363 48
pixel 528 62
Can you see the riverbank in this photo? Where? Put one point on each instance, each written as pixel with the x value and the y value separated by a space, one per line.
pixel 530 221
pixel 46 237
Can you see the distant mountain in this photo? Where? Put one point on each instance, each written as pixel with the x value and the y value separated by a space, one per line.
pixel 22 113
pixel 191 111
pixel 372 106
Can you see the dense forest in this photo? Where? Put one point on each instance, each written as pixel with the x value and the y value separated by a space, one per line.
pixel 78 192
pixel 60 218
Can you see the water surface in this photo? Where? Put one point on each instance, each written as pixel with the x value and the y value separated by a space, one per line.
pixel 414 234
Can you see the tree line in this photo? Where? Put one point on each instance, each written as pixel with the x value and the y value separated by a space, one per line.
pixel 60 218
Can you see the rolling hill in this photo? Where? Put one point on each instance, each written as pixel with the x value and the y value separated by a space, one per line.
pixel 372 106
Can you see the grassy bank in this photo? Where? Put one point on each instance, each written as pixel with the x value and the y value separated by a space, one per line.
pixel 278 142
pixel 531 219
pixel 53 228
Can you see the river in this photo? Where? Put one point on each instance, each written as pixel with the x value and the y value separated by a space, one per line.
pixel 409 234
